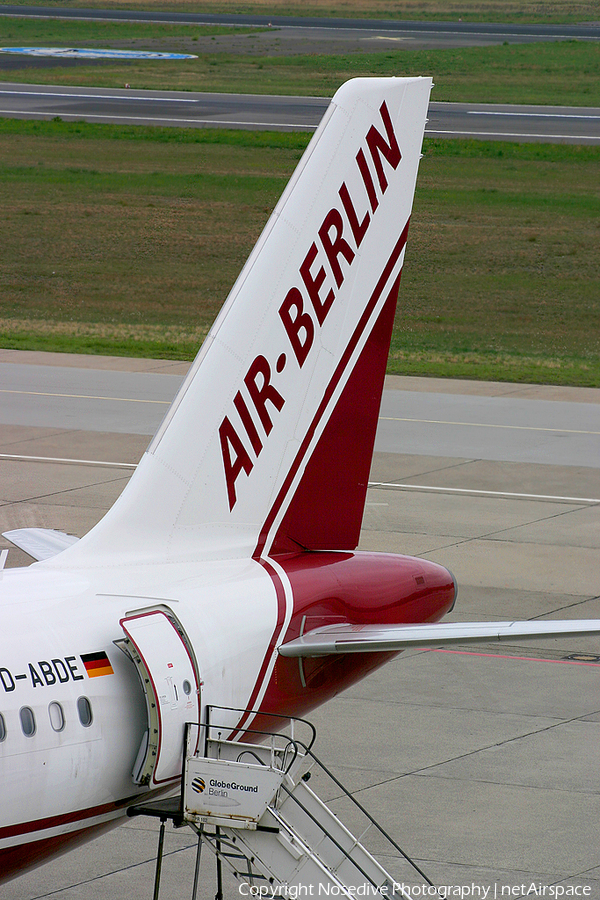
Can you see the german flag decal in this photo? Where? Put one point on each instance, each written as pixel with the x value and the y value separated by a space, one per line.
pixel 97 664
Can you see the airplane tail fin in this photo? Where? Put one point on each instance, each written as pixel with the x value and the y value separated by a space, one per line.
pixel 268 444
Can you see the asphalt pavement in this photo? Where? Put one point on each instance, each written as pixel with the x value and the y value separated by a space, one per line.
pixel 287 35
pixel 481 762
pixel 201 110
pixel 442 33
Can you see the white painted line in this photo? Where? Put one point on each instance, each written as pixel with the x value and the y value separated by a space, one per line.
pixel 78 462
pixel 488 425
pixel 540 115
pixel 92 18
pixel 215 123
pixel 513 134
pixel 167 22
pixel 83 397
pixel 283 26
pixel 154 95
pixel 450 490
pixel 385 37
pixel 218 122
pixel 76 96
pixel 493 35
pixel 372 484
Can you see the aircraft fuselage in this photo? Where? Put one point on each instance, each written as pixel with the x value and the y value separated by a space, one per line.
pixel 73 712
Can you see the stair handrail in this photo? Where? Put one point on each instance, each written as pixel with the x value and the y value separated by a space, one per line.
pixel 247 730
pixel 307 749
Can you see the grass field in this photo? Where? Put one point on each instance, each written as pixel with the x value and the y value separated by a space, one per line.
pixel 556 73
pixel 127 241
pixel 441 10
pixel 66 32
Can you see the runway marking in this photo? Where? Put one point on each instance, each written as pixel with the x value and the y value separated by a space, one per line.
pixel 80 462
pixel 82 397
pixel 107 464
pixel 301 127
pixel 204 121
pixel 540 115
pixel 564 662
pixel 123 96
pixel 452 490
pixel 488 425
pixel 514 134
pixel 214 122
pixel 493 36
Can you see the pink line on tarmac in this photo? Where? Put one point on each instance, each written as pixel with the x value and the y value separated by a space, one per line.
pixel 564 662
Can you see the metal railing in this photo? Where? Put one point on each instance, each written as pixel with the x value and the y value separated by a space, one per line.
pixel 312 763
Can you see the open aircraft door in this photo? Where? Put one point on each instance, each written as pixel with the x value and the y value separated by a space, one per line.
pixel 157 644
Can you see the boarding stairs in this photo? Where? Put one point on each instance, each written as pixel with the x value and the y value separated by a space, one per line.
pixel 250 803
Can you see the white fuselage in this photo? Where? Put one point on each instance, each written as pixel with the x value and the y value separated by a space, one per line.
pixel 70 736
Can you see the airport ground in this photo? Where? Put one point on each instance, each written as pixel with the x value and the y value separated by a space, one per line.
pixel 482 764
pixel 556 66
pixel 126 240
pixel 501 271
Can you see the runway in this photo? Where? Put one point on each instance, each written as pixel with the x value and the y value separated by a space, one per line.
pixel 285 36
pixel 482 764
pixel 200 110
pixel 444 34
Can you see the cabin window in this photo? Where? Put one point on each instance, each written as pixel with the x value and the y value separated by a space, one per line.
pixel 27 721
pixel 84 710
pixel 57 716
pixel 2 728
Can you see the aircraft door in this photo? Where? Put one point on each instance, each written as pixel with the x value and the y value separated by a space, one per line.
pixel 163 655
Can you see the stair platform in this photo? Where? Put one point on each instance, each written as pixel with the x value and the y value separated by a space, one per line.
pixel 250 803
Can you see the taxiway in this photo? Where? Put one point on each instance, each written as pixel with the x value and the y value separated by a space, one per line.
pixel 186 109
pixel 482 763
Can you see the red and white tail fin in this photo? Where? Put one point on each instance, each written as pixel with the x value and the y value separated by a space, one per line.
pixel 268 444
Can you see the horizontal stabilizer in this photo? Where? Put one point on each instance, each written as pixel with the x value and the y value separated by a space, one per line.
pixel 333 639
pixel 41 543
